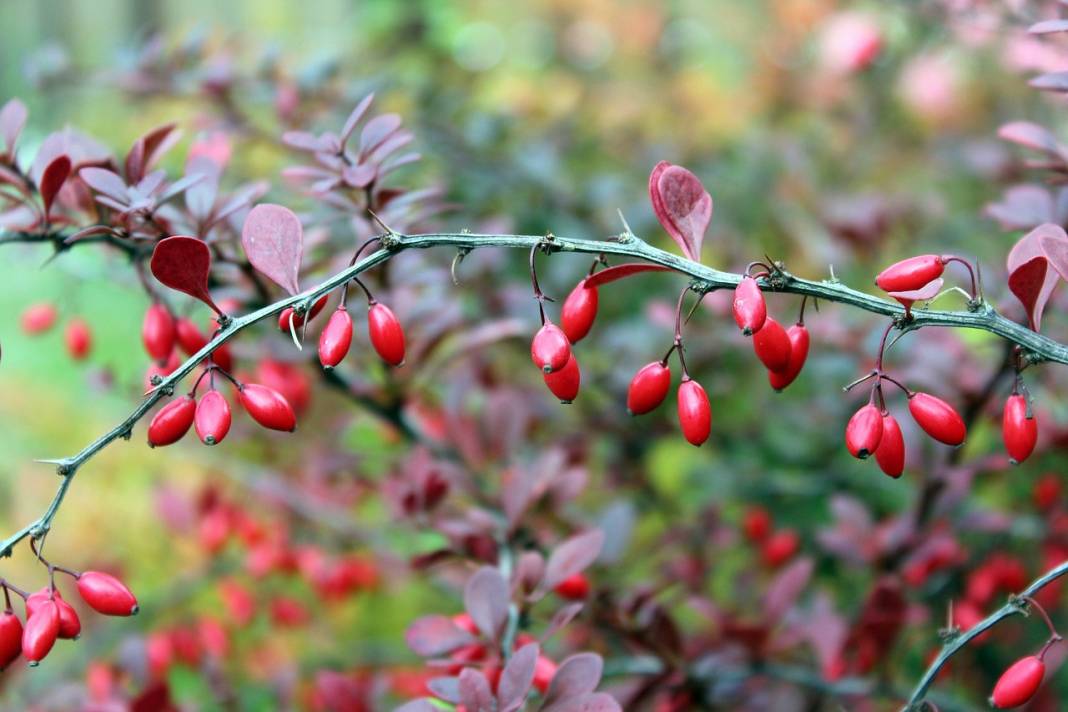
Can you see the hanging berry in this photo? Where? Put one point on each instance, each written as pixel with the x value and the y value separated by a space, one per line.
pixel 336 338
pixel 267 407
pixel 78 338
pixel 1019 683
pixel 69 624
pixel 298 319
pixel 574 588
pixel 158 332
pixel 550 348
pixel 799 343
pixel 38 318
pixel 41 631
pixel 564 383
pixel 579 311
pixel 695 412
pixel 780 547
pixel 1019 429
pixel 648 388
pixel 750 310
pixel 386 334
pixel 10 638
pixel 937 418
pixel 864 431
pixel 106 594
pixel 172 422
pixel 772 345
pixel 911 274
pixel 212 419
pixel 890 454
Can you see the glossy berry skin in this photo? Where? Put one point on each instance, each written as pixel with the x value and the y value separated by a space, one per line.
pixel 10 638
pixel 648 388
pixel 772 345
pixel 574 588
pixel 550 348
pixel 750 310
pixel 38 318
pixel 565 383
pixel 799 343
pixel 911 274
pixel 267 407
pixel 78 338
pixel 386 334
pixel 212 419
pixel 1019 683
pixel 780 547
pixel 106 594
pixel 336 338
pixel 864 431
pixel 157 332
pixel 299 319
pixel 937 418
pixel 172 422
pixel 578 312
pixel 1019 431
pixel 891 451
pixel 695 412
pixel 70 626
pixel 188 336
pixel 40 632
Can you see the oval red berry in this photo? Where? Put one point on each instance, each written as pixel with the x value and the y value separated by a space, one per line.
pixel 386 334
pixel 550 349
pixel 695 412
pixel 937 418
pixel 1019 429
pixel 648 388
pixel 864 431
pixel 579 311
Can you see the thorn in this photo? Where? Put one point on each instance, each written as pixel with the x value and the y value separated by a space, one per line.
pixel 293 332
pixel 460 255
pixel 626 226
pixel 390 231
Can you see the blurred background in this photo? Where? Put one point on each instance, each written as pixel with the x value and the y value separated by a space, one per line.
pixel 834 136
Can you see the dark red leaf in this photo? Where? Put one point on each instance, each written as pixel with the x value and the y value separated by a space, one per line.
pixel 682 205
pixel 157 142
pixel 573 556
pixel 1034 285
pixel 183 263
pixel 516 678
pixel 431 636
pixel 611 274
pixel 53 178
pixel 274 242
pixel 577 675
pixel 486 601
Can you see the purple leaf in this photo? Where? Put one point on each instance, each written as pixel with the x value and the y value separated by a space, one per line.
pixel 923 294
pixel 529 570
pixel 486 601
pixel 1029 277
pixel 475 692
pixel 274 242
pixel 786 587
pixel 53 178
pixel 593 702
pixel 183 263
pixel 573 556
pixel 378 130
pixel 561 618
pixel 447 688
pixel 421 705
pixel 516 678
pixel 576 676
pixel 304 141
pixel 180 185
pixel 1048 27
pixel 12 119
pixel 104 181
pixel 1053 81
pixel 1054 245
pixel 431 636
pixel 682 205
pixel 354 118
pixel 1030 135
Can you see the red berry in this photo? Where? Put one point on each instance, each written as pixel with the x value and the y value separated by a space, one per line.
pixel 564 383
pixel 695 412
pixel 550 348
pixel 189 337
pixel 1019 428
pixel 772 345
pixel 336 338
pixel 157 332
pixel 69 624
pixel 864 431
pixel 288 379
pixel 41 631
pixel 299 319
pixel 578 312
pixel 780 547
pixel 544 672
pixel 172 422
pixel 212 419
pixel 106 594
pixel 756 523
pixel 38 318
pixel 799 342
pixel 267 407
pixel 1019 683
pixel 78 338
pixel 648 388
pixel 890 454
pixel 750 311
pixel 464 621
pixel 575 587
pixel 937 418
pixel 911 274
pixel 1046 491
pixel 386 334
pixel 10 638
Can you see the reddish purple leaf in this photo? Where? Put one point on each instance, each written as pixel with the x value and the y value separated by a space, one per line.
pixel 183 263
pixel 304 141
pixel 924 293
pixel 157 142
pixel 573 556
pixel 516 678
pixel 786 587
pixel 431 636
pixel 1034 285
pixel 1030 135
pixel 53 178
pixel 1053 242
pixel 486 600
pixel 354 118
pixel 576 676
pixel 682 205
pixel 475 692
pixel 528 570
pixel 1053 81
pixel 104 181
pixel 1048 26
pixel 593 702
pixel 134 167
pixel 378 130
pixel 446 688
pixel 611 274
pixel 274 242
pixel 561 618
pixel 12 119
